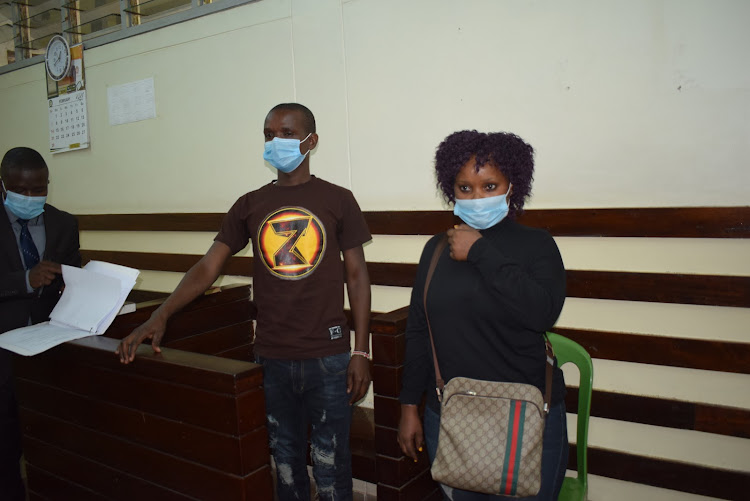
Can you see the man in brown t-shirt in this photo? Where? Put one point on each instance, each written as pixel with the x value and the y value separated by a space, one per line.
pixel 299 226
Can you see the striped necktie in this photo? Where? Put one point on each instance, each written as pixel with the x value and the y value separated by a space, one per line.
pixel 28 249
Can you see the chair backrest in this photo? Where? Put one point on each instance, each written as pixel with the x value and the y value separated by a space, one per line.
pixel 566 351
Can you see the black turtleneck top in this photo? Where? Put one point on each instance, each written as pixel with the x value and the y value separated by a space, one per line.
pixel 488 314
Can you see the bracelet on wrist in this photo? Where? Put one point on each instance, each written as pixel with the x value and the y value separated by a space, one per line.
pixel 361 354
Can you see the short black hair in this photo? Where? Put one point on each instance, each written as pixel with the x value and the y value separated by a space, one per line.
pixel 307 116
pixel 21 158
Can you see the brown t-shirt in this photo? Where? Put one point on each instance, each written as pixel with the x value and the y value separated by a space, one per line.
pixel 298 233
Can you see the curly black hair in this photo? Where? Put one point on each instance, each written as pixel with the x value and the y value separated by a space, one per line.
pixel 508 152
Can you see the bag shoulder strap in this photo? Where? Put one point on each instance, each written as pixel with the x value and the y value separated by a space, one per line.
pixel 439 383
pixel 548 374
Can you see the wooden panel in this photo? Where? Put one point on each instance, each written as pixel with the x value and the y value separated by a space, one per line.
pixel 422 487
pixel 388 349
pixel 363 425
pixel 170 436
pixel 243 352
pixel 398 470
pixel 151 222
pixel 74 469
pixel 410 222
pixel 386 380
pixel 722 420
pixel 715 290
pixel 170 471
pixel 687 222
pixel 665 412
pixel 191 323
pixel 363 465
pixel 676 352
pixel 180 263
pixel 194 323
pixel 258 485
pixel 140 296
pixel 212 298
pixel 387 411
pixel 393 322
pixel 393 274
pixel 53 487
pixel 217 340
pixel 387 440
pixel 174 400
pixel 199 372
pixel 679 476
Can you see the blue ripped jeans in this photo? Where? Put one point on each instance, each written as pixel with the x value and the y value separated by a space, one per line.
pixel 554 457
pixel 309 392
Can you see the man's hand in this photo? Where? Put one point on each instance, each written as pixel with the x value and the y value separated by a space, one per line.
pixel 152 329
pixel 410 435
pixel 460 239
pixel 357 378
pixel 43 273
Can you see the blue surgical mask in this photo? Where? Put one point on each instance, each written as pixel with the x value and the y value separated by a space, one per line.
pixel 482 213
pixel 284 153
pixel 22 206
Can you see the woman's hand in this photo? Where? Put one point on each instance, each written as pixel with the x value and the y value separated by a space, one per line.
pixel 410 435
pixel 460 240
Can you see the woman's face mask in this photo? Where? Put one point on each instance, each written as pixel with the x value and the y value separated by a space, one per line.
pixel 481 196
pixel 482 213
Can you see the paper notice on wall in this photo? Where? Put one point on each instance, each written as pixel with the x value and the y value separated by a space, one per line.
pixel 131 102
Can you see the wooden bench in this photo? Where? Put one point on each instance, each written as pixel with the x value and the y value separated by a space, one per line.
pixel 399 478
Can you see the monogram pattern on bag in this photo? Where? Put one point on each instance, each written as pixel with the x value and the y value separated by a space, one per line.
pixel 473 447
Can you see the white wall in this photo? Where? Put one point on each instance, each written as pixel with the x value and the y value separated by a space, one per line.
pixel 632 103
pixel 637 103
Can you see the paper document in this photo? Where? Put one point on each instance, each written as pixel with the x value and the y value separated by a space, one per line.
pixel 92 299
pixel 35 339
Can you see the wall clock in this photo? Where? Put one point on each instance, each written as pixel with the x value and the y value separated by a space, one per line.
pixel 57 58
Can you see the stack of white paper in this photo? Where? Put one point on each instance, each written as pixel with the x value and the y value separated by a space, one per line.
pixel 92 298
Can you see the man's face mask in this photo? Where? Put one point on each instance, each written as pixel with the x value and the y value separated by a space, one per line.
pixel 284 154
pixel 23 206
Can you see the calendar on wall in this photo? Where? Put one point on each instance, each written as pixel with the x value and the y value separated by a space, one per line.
pixel 68 124
pixel 66 98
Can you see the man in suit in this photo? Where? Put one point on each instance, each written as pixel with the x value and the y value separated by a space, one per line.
pixel 35 239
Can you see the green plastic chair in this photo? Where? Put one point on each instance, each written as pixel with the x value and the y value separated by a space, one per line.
pixel 566 350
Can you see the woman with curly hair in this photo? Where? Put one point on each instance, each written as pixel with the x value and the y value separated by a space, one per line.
pixel 497 288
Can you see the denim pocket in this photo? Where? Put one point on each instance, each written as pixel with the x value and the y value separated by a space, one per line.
pixel 335 364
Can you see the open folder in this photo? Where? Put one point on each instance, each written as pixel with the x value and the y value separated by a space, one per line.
pixel 92 298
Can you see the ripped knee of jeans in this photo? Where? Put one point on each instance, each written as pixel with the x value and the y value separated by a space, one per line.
pixel 325 457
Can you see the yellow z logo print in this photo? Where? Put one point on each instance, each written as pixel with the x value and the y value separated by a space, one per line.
pixel 291 242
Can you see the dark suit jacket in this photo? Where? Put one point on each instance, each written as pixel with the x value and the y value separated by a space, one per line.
pixel 16 305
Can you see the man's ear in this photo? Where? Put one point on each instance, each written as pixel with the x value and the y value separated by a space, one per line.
pixel 313 140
